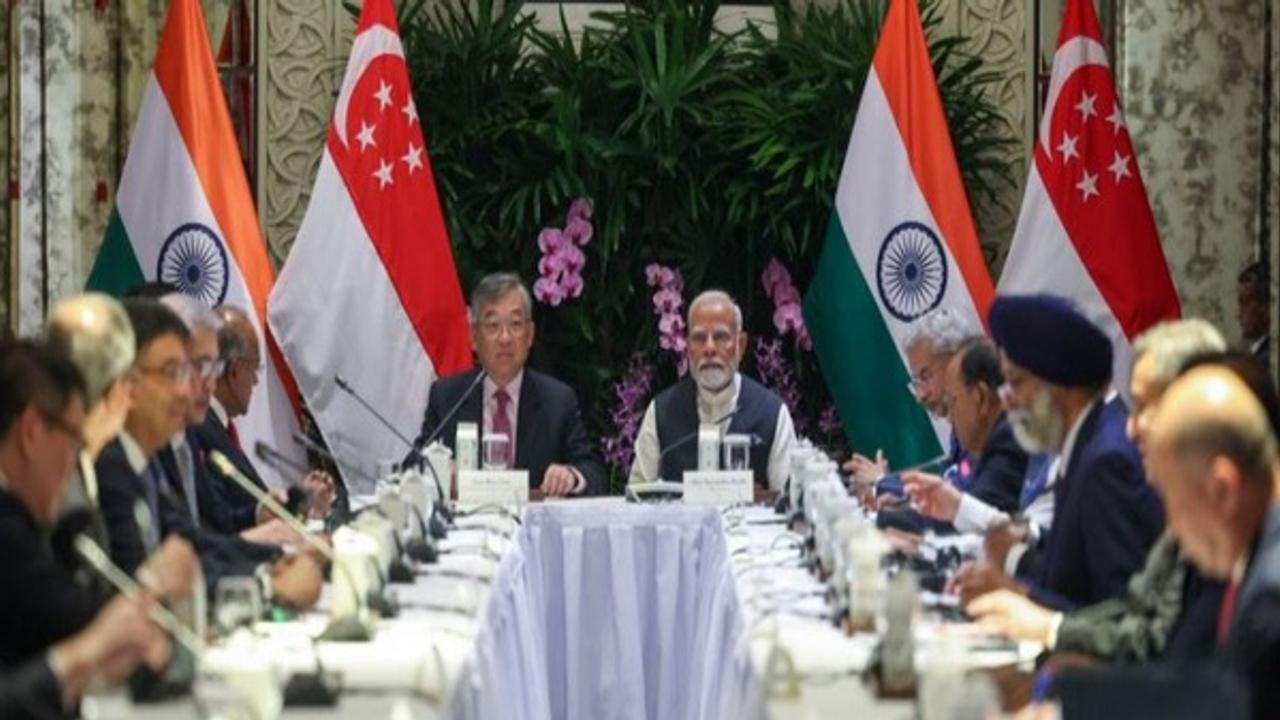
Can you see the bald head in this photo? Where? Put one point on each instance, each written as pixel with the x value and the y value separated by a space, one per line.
pixel 239 349
pixel 1215 454
pixel 93 331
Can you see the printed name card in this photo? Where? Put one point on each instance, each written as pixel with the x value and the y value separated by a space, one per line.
pixel 718 487
pixel 493 487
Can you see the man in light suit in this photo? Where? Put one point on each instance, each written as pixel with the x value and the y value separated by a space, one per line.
pixel 540 412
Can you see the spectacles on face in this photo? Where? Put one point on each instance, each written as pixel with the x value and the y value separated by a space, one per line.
pixel 207 368
pixel 71 432
pixel 701 337
pixel 493 327
pixel 174 371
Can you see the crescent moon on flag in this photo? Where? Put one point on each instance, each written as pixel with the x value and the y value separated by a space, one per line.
pixel 368 46
pixel 1076 53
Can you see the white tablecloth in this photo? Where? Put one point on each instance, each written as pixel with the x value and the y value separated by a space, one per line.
pixel 605 610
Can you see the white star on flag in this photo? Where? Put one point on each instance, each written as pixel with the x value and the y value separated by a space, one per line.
pixel 365 136
pixel 1085 106
pixel 413 158
pixel 383 174
pixel 1088 185
pixel 410 112
pixel 1116 118
pixel 1068 147
pixel 1120 167
pixel 383 95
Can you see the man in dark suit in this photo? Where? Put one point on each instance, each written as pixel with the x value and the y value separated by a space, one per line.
pixel 540 412
pixel 1214 456
pixel 1057 367
pixel 134 485
pixel 237 363
pixel 994 485
pixel 1169 609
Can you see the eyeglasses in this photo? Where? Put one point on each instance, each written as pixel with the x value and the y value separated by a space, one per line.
pixel 208 368
pixel 702 337
pixel 71 432
pixel 174 371
pixel 493 327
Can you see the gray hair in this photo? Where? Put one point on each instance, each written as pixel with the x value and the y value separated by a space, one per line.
pixel 493 286
pixel 943 329
pixel 231 344
pixel 714 295
pixel 1171 344
pixel 198 317
pixel 93 331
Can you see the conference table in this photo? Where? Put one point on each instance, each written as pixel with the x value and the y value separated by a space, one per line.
pixel 593 608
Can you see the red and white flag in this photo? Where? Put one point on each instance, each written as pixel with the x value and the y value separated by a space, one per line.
pixel 1086 230
pixel 370 291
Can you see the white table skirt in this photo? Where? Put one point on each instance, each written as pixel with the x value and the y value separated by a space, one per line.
pixel 604 610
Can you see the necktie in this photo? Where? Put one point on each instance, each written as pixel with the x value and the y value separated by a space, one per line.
pixel 502 421
pixel 1037 480
pixel 1225 612
pixel 151 479
pixel 235 436
pixel 187 474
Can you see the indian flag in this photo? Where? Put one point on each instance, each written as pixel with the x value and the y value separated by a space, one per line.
pixel 184 214
pixel 900 244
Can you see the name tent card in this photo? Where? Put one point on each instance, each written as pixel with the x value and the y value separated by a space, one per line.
pixel 493 487
pixel 718 487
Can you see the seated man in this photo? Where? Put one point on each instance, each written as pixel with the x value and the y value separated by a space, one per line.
pixel 239 357
pixel 183 458
pixel 538 414
pixel 933 343
pixel 45 615
pixel 1169 609
pixel 1253 310
pixel 713 391
pixel 138 501
pixel 1215 455
pixel 1057 367
pixel 972 382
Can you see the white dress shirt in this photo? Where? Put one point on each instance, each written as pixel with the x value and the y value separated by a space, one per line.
pixel 712 407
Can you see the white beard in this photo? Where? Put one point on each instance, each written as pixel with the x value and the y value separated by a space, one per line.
pixel 1040 427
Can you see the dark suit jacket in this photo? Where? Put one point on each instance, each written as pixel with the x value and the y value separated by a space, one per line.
pixel 120 489
pixel 40 601
pixel 217 513
pixel 1106 516
pixel 1001 469
pixel 30 690
pixel 549 425
pixel 238 509
pixel 1239 681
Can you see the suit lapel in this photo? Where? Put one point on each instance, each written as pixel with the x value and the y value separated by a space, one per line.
pixel 527 419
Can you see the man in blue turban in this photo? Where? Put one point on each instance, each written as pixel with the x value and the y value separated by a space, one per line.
pixel 1057 369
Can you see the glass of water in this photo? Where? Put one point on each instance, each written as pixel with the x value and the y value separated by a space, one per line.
pixel 737 451
pixel 496 451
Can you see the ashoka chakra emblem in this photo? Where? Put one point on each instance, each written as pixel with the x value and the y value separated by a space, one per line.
pixel 911 272
pixel 193 260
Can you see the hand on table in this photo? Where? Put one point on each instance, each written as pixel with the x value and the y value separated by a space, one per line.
pixel 273 532
pixel 296 580
pixel 559 480
pixel 171 570
pixel 1014 616
pixel 975 579
pixel 119 638
pixel 865 471
pixel 1000 538
pixel 934 496
pixel 319 486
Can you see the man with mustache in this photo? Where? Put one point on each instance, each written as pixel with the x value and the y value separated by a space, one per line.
pixel 1057 369
pixel 713 389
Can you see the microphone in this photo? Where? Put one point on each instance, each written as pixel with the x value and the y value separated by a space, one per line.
pixel 442 506
pixel 693 436
pixel 345 387
pixel 299 501
pixel 120 580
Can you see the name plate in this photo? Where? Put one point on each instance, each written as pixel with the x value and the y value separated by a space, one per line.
pixel 493 487
pixel 718 487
